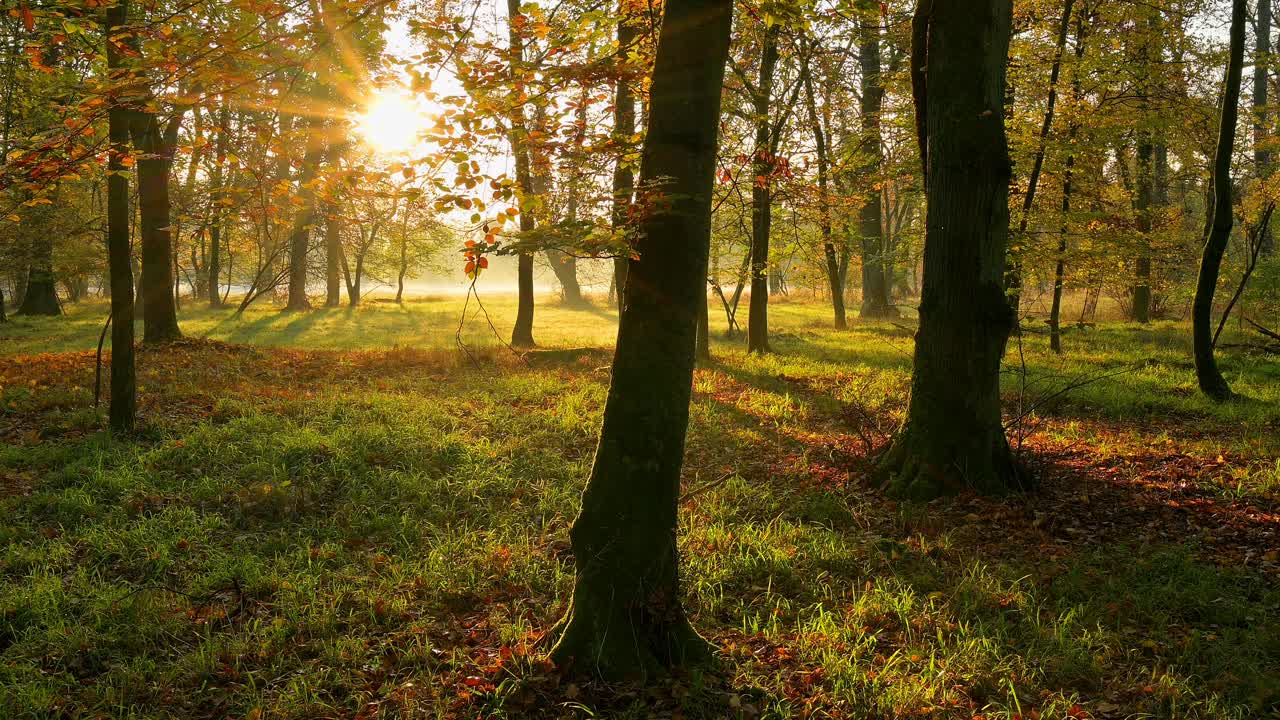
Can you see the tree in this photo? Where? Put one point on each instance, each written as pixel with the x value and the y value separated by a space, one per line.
pixel 41 296
pixel 123 379
pixel 219 200
pixel 762 167
pixel 518 132
pixel 875 280
pixel 953 436
pixel 1261 70
pixel 834 281
pixel 156 146
pixel 300 235
pixel 1210 378
pixel 626 618
pixel 624 127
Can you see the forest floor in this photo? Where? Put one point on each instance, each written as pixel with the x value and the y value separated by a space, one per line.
pixel 302 529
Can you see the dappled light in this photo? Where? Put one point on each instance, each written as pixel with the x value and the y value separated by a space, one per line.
pixel 698 360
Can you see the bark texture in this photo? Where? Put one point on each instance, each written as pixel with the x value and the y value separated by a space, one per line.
pixel 953 437
pixel 875 275
pixel 156 146
pixel 123 380
pixel 627 619
pixel 522 333
pixel 762 196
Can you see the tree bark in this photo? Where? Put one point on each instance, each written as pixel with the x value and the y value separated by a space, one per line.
pixel 624 128
pixel 875 283
pixel 41 296
pixel 1261 68
pixel 332 253
pixel 762 164
pixel 1055 310
pixel 219 206
pixel 627 619
pixel 702 352
pixel 522 332
pixel 300 234
pixel 953 437
pixel 156 148
pixel 834 283
pixel 1210 378
pixel 123 383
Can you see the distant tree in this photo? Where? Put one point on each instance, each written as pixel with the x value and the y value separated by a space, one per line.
pixel 835 282
pixel 627 618
pixel 875 270
pixel 953 436
pixel 1212 383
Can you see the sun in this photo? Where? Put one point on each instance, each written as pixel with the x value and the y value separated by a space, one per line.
pixel 394 120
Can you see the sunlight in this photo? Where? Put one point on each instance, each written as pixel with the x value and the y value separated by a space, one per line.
pixel 393 121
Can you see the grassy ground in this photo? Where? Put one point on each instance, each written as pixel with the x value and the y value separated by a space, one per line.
pixel 350 518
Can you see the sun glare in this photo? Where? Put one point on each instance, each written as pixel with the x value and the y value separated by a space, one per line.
pixel 394 121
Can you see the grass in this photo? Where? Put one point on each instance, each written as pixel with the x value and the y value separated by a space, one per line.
pixel 345 517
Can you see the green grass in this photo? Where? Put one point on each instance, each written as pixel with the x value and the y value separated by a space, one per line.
pixel 354 520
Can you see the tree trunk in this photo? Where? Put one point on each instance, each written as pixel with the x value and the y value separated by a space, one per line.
pixel 1261 67
pixel 1055 310
pixel 123 383
pixel 1141 299
pixel 565 267
pixel 404 268
pixel 627 619
pixel 300 234
pixel 3 317
pixel 1212 383
pixel 156 148
pixel 41 296
pixel 953 437
pixel 522 333
pixel 624 128
pixel 703 350
pixel 1037 163
pixel 762 164
pixel 824 197
pixel 219 206
pixel 875 285
pixel 333 271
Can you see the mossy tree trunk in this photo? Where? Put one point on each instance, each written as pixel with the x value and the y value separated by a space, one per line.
pixel 627 619
pixel 1212 383
pixel 953 437
pixel 123 382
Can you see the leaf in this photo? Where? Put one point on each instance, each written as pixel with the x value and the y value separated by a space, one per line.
pixel 28 19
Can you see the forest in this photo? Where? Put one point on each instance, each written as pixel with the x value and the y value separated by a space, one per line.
pixel 679 359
